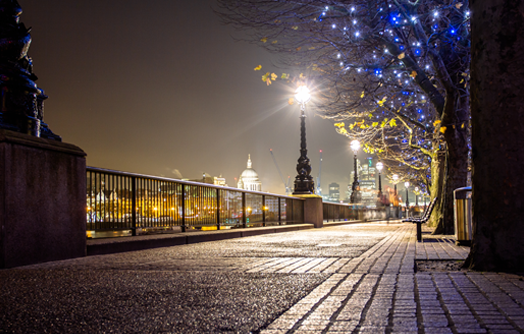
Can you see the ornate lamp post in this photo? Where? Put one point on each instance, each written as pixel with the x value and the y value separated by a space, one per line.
pixel 395 203
pixel 303 181
pixel 380 166
pixel 395 181
pixel 355 193
pixel 406 184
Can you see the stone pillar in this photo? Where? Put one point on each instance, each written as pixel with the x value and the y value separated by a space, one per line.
pixel 313 211
pixel 42 200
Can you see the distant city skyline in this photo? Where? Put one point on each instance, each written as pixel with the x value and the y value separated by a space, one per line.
pixel 162 88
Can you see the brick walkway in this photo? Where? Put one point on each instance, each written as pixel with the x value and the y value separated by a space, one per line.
pixel 379 292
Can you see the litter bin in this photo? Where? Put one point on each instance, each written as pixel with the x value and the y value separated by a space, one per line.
pixel 462 214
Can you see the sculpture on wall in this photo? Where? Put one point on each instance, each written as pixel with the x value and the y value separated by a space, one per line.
pixel 22 101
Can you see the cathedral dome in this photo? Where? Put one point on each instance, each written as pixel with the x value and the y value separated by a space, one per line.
pixel 249 178
pixel 249 174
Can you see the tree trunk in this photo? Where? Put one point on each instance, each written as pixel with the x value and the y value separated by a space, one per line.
pixel 437 180
pixel 497 108
pixel 455 120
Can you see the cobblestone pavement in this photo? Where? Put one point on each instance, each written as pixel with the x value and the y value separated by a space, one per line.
pixel 356 278
pixel 379 292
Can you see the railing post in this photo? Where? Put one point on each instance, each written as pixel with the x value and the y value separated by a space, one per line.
pixel 279 211
pixel 183 208
pixel 264 210
pixel 133 204
pixel 244 225
pixel 218 209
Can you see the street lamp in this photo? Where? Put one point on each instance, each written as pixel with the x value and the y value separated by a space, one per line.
pixel 406 184
pixel 355 194
pixel 303 181
pixel 395 181
pixel 380 166
pixel 395 203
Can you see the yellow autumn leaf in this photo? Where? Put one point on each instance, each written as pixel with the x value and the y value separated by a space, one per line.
pixel 312 48
pixel 362 95
pixel 443 129
pixel 264 39
pixel 401 56
pixel 381 102
pixel 462 126
pixel 393 122
pixel 274 42
pixel 422 101
pixel 291 101
pixel 437 122
pixel 258 68
pixel 413 74
pixel 274 76
pixel 374 124
pixel 461 81
pixel 342 131
pixel 301 76
pixel 339 125
pixel 294 27
pixel 285 76
pixel 266 78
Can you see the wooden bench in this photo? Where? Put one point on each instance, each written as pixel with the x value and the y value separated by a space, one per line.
pixel 424 219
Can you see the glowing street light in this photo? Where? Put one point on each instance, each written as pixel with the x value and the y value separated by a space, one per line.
pixel 379 167
pixel 303 181
pixel 355 189
pixel 395 181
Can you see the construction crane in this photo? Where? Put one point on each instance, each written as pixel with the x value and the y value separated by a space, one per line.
pixel 319 189
pixel 288 189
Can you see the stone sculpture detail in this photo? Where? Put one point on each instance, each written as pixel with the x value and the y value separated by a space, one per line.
pixel 21 100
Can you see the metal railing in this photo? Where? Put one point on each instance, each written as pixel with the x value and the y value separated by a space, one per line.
pixel 119 201
pixel 336 211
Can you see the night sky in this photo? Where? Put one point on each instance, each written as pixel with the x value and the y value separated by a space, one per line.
pixel 160 87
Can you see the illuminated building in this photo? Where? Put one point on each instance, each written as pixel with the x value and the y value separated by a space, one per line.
pixel 249 180
pixel 368 184
pixel 334 192
pixel 219 181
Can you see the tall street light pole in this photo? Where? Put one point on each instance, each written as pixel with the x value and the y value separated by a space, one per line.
pixel 395 181
pixel 355 193
pixel 406 184
pixel 303 181
pixel 379 167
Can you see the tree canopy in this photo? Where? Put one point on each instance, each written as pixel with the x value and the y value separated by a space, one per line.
pixel 394 74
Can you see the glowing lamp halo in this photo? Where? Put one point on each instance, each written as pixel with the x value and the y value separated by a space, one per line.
pixel 355 146
pixel 302 94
